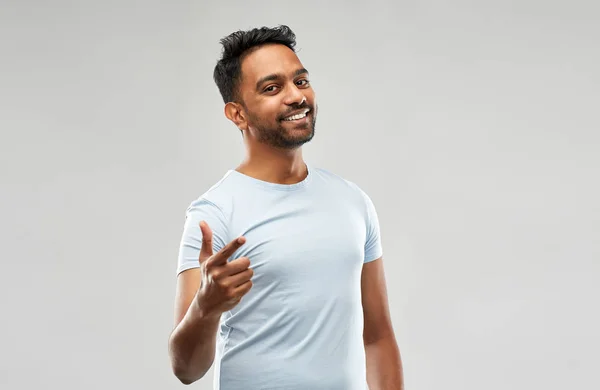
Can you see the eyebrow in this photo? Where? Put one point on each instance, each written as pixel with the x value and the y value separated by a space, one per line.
pixel 272 77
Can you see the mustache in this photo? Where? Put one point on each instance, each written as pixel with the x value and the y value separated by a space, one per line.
pixel 295 108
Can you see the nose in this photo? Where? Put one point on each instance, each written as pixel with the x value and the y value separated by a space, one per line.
pixel 294 96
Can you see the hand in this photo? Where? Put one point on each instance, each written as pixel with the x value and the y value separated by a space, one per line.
pixel 223 283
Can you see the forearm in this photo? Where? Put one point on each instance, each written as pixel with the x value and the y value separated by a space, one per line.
pixel 384 365
pixel 192 344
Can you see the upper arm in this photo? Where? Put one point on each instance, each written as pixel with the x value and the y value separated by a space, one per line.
pixel 373 248
pixel 191 239
pixel 377 320
pixel 188 263
pixel 188 283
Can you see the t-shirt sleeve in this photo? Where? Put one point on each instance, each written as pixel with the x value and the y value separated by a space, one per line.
pixel 191 240
pixel 373 246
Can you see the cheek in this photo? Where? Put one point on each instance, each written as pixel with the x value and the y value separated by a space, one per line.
pixel 271 111
pixel 259 113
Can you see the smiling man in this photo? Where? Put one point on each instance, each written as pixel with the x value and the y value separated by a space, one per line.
pixel 280 272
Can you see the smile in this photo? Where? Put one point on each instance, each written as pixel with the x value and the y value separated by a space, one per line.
pixel 297 116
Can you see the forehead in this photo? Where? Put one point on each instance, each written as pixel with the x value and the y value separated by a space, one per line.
pixel 269 59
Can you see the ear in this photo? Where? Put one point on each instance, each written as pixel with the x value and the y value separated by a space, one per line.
pixel 235 113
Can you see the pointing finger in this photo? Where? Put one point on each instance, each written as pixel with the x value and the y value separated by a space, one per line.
pixel 225 253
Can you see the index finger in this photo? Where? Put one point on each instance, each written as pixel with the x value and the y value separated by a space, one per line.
pixel 221 257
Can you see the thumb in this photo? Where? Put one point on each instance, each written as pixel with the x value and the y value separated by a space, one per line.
pixel 206 250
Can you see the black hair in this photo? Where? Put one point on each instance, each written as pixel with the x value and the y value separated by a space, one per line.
pixel 227 73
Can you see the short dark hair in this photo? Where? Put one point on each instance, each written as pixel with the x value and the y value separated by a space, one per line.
pixel 227 73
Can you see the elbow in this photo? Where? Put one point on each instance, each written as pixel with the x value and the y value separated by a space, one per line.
pixel 186 381
pixel 182 371
pixel 187 372
pixel 184 376
pixel 186 367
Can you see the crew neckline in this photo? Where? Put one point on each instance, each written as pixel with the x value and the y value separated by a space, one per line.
pixel 274 186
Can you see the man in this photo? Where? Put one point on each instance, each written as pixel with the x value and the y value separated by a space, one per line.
pixel 280 274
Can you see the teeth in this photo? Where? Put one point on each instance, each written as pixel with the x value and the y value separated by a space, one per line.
pixel 296 117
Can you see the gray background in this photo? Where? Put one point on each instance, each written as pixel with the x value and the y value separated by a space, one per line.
pixel 472 125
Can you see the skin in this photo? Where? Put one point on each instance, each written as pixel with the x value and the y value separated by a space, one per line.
pixel 273 146
pixel 273 154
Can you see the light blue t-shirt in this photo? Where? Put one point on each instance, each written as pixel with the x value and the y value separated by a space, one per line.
pixel 300 326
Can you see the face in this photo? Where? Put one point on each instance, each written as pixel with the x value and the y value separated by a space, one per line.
pixel 278 105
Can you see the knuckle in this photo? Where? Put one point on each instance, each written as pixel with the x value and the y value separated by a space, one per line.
pixel 230 293
pixel 238 264
pixel 208 263
pixel 222 282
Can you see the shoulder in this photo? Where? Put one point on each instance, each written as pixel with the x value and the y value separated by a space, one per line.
pixel 339 181
pixel 344 187
pixel 216 200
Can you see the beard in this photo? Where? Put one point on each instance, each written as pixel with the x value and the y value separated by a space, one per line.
pixel 285 135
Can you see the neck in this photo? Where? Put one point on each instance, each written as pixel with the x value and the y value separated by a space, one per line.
pixel 274 165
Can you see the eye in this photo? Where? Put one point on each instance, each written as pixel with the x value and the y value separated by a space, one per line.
pixel 270 88
pixel 302 83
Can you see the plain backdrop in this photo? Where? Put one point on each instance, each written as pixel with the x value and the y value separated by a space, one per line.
pixel 473 126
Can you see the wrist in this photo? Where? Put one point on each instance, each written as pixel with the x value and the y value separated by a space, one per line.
pixel 203 311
